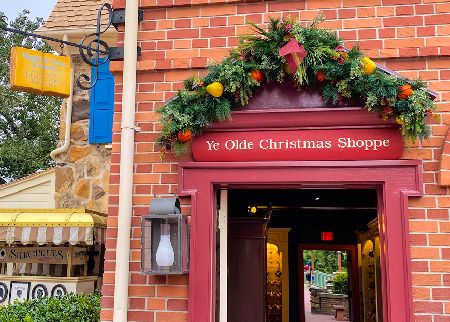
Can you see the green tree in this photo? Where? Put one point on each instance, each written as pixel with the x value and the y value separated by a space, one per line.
pixel 325 260
pixel 28 123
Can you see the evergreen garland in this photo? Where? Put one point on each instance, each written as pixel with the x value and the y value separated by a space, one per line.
pixel 342 74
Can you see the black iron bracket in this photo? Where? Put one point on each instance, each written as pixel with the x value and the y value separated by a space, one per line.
pixel 117 53
pixel 118 16
pixel 93 50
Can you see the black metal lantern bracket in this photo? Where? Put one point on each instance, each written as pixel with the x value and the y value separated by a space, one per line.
pixel 95 52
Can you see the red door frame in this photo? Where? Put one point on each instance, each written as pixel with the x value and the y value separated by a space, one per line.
pixel 355 281
pixel 395 181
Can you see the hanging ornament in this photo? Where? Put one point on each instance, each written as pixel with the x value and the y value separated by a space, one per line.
pixel 185 136
pixel 368 65
pixel 404 91
pixel 321 76
pixel 386 112
pixel 294 53
pixel 215 89
pixel 257 75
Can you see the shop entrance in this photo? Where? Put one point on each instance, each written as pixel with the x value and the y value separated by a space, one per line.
pixel 308 255
pixel 393 180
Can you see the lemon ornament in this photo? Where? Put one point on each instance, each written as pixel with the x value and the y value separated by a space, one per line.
pixel 368 65
pixel 215 89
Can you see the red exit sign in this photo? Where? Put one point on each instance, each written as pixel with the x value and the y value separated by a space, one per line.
pixel 327 236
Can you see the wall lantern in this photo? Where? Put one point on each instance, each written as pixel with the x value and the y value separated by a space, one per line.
pixel 165 242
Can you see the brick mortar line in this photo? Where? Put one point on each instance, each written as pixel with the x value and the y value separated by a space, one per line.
pixel 243 2
pixel 118 66
pixel 158 7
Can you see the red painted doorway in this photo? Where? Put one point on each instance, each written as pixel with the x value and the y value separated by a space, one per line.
pixel 394 180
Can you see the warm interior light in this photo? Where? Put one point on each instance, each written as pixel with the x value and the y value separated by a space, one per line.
pixel 253 210
pixel 164 254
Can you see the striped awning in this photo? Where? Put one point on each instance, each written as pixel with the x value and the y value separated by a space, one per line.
pixel 52 226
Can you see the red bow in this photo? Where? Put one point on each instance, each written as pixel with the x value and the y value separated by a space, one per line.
pixel 294 53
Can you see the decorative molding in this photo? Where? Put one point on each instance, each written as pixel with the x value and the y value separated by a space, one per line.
pixel 394 180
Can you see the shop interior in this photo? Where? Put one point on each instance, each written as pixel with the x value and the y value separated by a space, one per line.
pixel 308 255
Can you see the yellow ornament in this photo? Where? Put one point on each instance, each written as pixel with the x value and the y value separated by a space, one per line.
pixel 399 120
pixel 215 89
pixel 368 65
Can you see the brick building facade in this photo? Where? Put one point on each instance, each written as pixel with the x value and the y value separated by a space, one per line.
pixel 179 37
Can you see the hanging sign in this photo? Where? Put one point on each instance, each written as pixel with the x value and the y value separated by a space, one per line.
pixel 47 255
pixel 40 73
pixel 297 145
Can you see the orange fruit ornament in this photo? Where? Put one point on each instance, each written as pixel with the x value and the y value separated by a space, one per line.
pixel 185 136
pixel 321 76
pixel 257 75
pixel 404 91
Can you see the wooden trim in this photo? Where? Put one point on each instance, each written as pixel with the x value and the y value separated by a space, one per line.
pixel 395 181
pixel 69 261
pixel 48 279
pixel 355 276
pixel 223 227
pixel 280 238
pixel 317 118
pixel 27 182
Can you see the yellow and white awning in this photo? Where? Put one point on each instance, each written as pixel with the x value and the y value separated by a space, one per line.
pixel 52 226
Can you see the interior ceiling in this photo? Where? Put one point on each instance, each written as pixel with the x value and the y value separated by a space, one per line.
pixel 292 207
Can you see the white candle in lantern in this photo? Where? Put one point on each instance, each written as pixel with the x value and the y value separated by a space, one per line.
pixel 165 256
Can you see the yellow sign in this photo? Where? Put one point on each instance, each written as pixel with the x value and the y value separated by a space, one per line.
pixel 41 73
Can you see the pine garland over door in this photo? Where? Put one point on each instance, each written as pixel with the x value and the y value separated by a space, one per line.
pixel 312 57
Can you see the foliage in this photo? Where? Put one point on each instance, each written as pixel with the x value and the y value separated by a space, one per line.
pixel 340 283
pixel 28 122
pixel 68 308
pixel 344 80
pixel 324 260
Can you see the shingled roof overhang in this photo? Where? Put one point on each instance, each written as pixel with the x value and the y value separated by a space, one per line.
pixel 76 19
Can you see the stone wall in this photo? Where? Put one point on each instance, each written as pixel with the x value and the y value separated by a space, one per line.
pixel 323 302
pixel 82 173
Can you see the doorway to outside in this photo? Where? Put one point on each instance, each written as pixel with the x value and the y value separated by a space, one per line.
pixel 330 291
pixel 308 255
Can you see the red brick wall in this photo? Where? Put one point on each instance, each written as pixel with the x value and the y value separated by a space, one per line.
pixel 179 37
